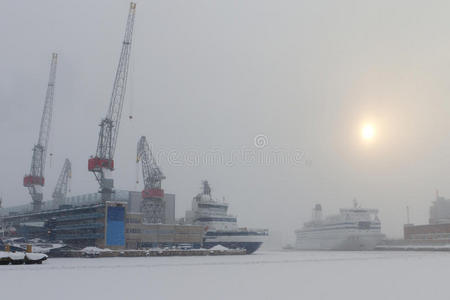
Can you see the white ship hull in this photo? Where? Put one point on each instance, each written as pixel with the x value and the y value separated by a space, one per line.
pixel 237 239
pixel 249 240
pixel 338 240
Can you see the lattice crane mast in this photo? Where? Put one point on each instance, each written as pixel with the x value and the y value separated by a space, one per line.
pixel 34 181
pixel 153 194
pixel 62 186
pixel 151 173
pixel 103 161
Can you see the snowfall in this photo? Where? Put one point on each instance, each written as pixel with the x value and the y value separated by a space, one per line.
pixel 262 275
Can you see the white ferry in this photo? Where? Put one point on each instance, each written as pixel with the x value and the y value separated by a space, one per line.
pixel 220 227
pixel 352 229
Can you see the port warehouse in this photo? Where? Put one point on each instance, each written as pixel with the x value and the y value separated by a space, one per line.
pixel 86 220
pixel 437 231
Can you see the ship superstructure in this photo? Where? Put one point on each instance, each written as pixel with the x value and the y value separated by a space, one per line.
pixel 352 229
pixel 220 227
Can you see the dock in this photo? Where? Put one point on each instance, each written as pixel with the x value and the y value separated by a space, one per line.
pixel 96 252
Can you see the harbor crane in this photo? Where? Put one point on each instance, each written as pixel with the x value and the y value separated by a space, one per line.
pixel 62 186
pixel 103 162
pixel 152 196
pixel 35 181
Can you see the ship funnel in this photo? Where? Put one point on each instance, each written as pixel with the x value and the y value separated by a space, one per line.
pixel 206 188
pixel 317 212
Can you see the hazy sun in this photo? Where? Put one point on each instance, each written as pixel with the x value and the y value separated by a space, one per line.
pixel 368 132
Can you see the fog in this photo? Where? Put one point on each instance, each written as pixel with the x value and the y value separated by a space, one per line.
pixel 209 79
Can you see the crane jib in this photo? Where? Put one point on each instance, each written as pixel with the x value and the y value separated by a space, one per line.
pixel 36 176
pixel 62 185
pixel 109 127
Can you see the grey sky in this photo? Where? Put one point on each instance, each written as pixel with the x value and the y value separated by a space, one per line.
pixel 208 76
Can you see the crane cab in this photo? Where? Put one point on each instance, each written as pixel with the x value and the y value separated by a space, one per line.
pixel 96 164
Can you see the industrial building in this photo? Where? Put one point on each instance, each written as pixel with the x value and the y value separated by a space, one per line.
pixel 440 211
pixel 141 235
pixel 132 198
pixel 86 220
pixel 437 231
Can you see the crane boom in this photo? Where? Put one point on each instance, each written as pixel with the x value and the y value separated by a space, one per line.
pixel 35 180
pixel 152 195
pixel 109 126
pixel 151 173
pixel 62 186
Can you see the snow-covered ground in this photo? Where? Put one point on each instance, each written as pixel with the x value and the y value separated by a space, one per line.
pixel 263 275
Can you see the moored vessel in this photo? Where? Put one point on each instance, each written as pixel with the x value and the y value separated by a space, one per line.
pixel 220 227
pixel 352 229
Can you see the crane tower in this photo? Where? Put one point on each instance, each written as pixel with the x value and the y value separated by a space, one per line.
pixel 103 162
pixel 62 186
pixel 34 181
pixel 152 195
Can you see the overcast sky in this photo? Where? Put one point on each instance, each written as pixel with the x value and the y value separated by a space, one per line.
pixel 210 76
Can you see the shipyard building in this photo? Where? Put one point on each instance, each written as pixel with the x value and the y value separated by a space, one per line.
pixel 86 220
pixel 437 231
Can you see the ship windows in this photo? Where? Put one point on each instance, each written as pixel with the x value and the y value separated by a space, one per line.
pixel 364 225
pixel 209 219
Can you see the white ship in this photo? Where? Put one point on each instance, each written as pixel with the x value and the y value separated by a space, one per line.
pixel 352 229
pixel 220 227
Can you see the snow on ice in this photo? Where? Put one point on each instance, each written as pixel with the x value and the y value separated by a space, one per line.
pixel 263 275
pixel 219 248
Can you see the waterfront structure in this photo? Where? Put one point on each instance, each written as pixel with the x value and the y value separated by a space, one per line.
pixel 440 210
pixel 140 235
pixel 86 220
pixel 437 232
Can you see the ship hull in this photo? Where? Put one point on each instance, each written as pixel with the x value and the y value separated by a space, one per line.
pixel 250 247
pixel 250 241
pixel 348 241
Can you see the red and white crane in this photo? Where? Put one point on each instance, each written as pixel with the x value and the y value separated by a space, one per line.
pixel 34 181
pixel 62 186
pixel 103 162
pixel 152 195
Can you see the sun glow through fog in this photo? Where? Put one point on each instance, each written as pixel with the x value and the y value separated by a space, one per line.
pixel 368 132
